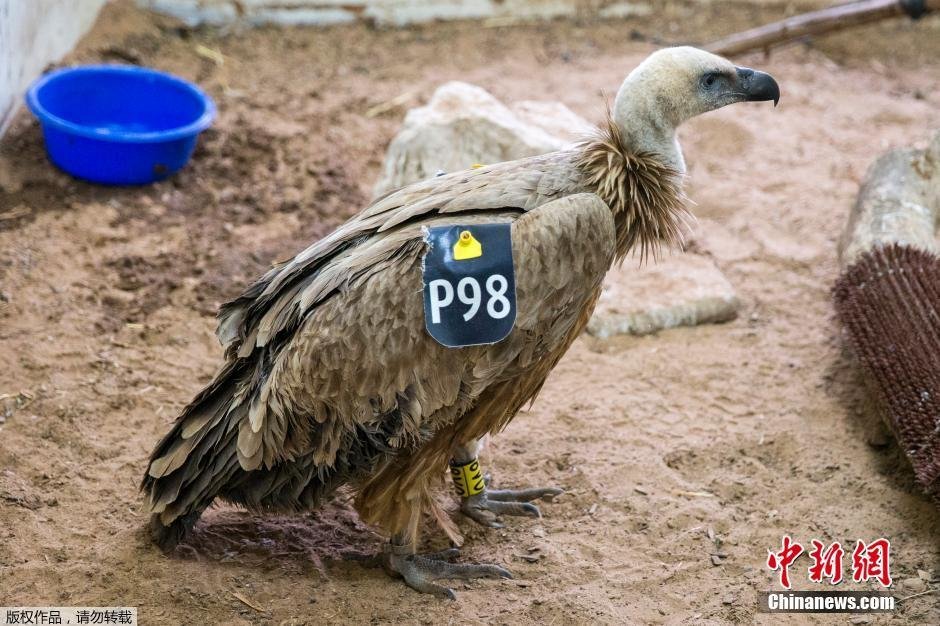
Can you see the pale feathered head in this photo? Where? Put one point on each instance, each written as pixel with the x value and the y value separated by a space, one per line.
pixel 675 84
pixel 635 164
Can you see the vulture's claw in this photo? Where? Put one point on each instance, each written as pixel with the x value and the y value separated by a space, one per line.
pixel 419 571
pixel 486 507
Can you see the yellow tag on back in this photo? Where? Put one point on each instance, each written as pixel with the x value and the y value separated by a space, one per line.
pixel 467 247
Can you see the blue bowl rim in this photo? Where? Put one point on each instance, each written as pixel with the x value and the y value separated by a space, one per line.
pixel 195 127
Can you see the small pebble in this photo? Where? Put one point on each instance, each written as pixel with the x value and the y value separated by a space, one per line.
pixel 914 585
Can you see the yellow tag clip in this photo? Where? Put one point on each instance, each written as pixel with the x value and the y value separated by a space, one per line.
pixel 468 478
pixel 467 247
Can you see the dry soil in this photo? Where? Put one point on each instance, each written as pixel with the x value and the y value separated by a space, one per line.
pixel 672 449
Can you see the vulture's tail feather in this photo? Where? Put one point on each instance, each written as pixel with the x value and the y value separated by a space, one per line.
pixel 168 537
pixel 196 460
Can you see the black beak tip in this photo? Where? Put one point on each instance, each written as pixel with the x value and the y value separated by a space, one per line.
pixel 774 90
pixel 759 86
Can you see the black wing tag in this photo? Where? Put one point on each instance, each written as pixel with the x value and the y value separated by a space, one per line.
pixel 469 284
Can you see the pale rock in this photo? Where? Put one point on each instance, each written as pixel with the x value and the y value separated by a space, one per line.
pixel 464 124
pixel 625 9
pixel 679 290
pixel 554 118
pixel 913 585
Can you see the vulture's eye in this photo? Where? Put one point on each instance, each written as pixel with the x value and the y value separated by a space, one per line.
pixel 709 80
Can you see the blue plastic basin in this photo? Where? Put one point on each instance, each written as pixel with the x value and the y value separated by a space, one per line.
pixel 119 125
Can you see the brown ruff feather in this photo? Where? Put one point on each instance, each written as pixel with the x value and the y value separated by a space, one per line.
pixel 643 193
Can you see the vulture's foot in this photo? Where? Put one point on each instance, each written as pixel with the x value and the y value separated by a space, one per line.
pixel 487 506
pixel 419 571
pixel 484 505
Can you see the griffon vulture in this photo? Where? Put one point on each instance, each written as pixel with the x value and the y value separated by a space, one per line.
pixel 332 376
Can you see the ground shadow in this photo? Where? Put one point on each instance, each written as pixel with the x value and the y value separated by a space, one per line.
pixel 298 542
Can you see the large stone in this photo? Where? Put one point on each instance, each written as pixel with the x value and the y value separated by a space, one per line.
pixel 683 289
pixel 464 124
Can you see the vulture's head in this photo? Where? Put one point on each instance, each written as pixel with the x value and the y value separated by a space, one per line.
pixel 675 84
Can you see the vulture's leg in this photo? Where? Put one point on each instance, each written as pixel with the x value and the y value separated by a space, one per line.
pixel 421 570
pixel 484 505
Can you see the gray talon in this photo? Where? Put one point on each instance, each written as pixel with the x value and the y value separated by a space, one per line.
pixel 524 495
pixel 418 571
pixel 485 508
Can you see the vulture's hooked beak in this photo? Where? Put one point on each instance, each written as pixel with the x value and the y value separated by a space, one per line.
pixel 757 86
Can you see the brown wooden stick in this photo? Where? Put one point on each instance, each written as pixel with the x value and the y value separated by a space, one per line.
pixel 817 23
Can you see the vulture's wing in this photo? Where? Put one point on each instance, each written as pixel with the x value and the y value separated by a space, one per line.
pixel 361 355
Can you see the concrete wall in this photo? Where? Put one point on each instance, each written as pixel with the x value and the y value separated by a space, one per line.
pixel 402 12
pixel 387 12
pixel 34 33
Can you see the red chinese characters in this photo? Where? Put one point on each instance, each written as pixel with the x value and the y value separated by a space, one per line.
pixel 872 561
pixel 783 559
pixel 826 563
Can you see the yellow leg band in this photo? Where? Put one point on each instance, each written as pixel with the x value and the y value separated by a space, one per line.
pixel 468 478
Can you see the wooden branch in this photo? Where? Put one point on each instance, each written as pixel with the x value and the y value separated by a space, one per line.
pixel 817 23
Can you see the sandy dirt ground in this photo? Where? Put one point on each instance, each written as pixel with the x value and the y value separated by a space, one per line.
pixel 672 448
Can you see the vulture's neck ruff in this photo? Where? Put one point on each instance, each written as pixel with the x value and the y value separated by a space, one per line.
pixel 644 194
